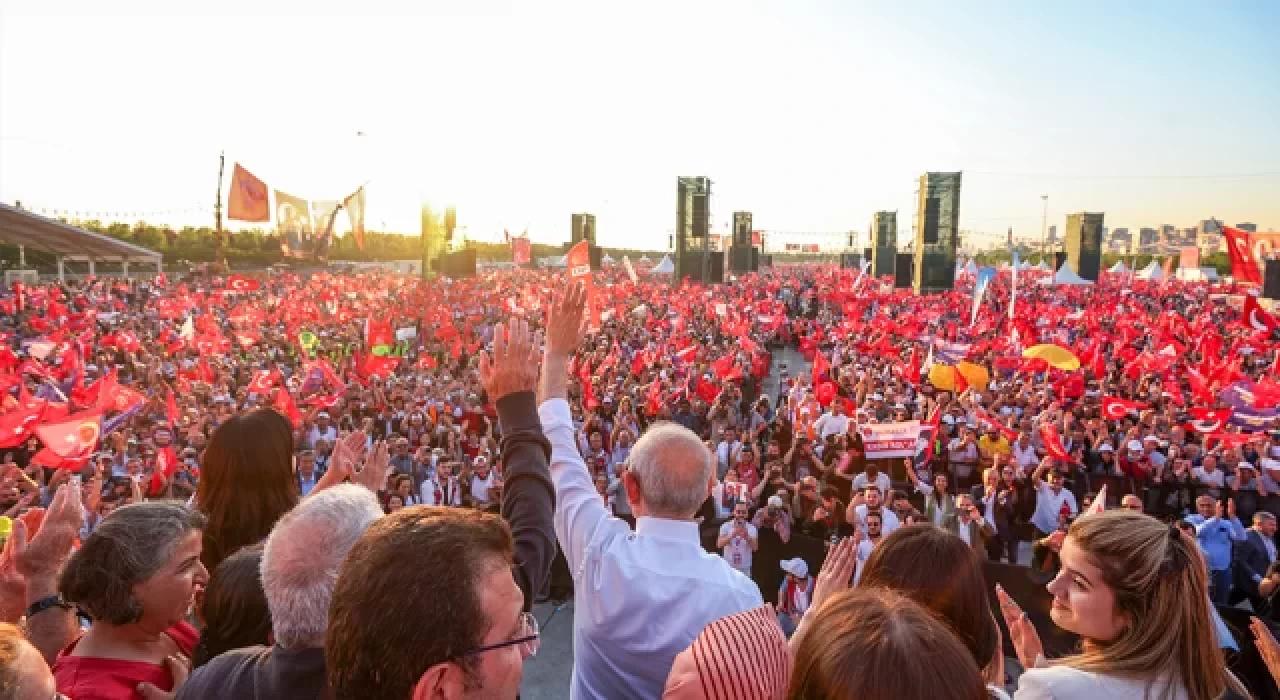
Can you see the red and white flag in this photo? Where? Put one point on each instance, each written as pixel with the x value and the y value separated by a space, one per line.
pixel 1256 317
pixel 263 381
pixel 74 438
pixel 1209 420
pixel 240 283
pixel 1244 265
pixel 1114 408
pixel 1053 443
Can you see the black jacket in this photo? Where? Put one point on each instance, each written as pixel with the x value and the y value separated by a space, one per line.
pixel 1249 560
pixel 528 496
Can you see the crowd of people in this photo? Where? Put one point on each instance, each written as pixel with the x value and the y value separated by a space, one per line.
pixel 357 486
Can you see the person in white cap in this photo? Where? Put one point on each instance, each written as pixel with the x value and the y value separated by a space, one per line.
pixel 794 595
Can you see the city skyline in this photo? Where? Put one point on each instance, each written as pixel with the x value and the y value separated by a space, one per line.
pixel 812 116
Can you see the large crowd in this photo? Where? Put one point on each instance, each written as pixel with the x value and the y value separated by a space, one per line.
pixel 357 486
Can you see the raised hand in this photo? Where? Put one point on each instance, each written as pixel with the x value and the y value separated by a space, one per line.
pixel 837 571
pixel 348 452
pixel 1023 634
pixel 50 545
pixel 565 319
pixel 374 474
pixel 513 365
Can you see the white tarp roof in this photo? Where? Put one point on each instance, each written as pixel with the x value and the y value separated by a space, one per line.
pixel 1043 266
pixel 1024 265
pixel 666 267
pixel 1151 272
pixel 1066 276
pixel 1118 267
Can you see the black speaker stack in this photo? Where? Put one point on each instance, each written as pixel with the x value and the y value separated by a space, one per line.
pixel 902 265
pixel 1271 279
pixel 457 265
pixel 691 267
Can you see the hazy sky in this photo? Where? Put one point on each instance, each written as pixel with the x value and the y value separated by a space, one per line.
pixel 812 115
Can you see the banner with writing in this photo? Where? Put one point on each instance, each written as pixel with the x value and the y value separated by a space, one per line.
pixel 521 251
pixel 883 440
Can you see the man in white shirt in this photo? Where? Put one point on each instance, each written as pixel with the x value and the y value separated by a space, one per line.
pixel 641 597
pixel 738 539
pixel 870 500
pixel 1052 501
pixel 482 479
pixel 442 488
pixel 727 451
pixel 1024 454
pixel 867 541
pixel 833 422
pixel 322 429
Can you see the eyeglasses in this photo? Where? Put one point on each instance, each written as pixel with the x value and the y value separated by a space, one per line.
pixel 1131 506
pixel 528 639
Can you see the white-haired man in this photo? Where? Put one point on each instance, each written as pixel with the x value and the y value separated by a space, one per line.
pixel 641 597
pixel 299 567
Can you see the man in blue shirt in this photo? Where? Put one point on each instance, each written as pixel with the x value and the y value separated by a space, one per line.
pixel 1216 529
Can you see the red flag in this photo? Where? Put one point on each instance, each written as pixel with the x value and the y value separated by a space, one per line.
pixel 578 262
pixel 263 381
pixel 820 366
pixel 1232 440
pixel 723 366
pixel 240 283
pixel 374 365
pixel 1053 443
pixel 74 438
pixel 1070 386
pixel 171 409
pixel 933 423
pixel 1244 265
pixel 1256 317
pixel 16 425
pixel 1114 408
pixel 378 333
pixel 987 418
pixel 284 404
pixel 1209 420
pixel 247 200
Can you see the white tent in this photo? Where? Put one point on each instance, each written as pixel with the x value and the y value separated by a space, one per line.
pixel 1024 265
pixel 1118 268
pixel 644 260
pixel 1151 272
pixel 1043 266
pixel 1065 276
pixel 666 267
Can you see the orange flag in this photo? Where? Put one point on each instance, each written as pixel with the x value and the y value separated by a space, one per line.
pixel 578 262
pixel 247 200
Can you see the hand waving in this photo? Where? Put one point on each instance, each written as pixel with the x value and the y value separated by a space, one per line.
pixel 565 320
pixel 837 571
pixel 1023 634
pixel 374 474
pixel 513 366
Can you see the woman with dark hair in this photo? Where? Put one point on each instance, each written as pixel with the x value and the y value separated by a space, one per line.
pixel 136 576
pixel 246 482
pixel 939 571
pixel 234 607
pixel 874 644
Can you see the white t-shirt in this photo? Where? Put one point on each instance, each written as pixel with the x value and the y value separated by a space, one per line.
pixel 831 424
pixel 888 519
pixel 1049 505
pixel 480 488
pixel 738 551
pixel 863 552
pixel 1215 478
pixel 1025 457
pixel 882 482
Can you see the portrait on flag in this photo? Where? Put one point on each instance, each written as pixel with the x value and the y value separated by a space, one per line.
pixel 247 200
pixel 323 213
pixel 354 205
pixel 293 223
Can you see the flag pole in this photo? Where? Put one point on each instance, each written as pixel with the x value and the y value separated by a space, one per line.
pixel 217 212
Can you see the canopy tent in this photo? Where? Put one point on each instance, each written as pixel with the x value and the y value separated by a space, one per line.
pixel 1151 272
pixel 1024 265
pixel 1067 277
pixel 1042 266
pixel 666 267
pixel 1118 268
pixel 70 243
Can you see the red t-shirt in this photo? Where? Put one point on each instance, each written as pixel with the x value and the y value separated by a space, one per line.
pixel 91 678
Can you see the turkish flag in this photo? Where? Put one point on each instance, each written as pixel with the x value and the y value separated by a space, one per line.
pixel 284 404
pixel 1244 266
pixel 1114 408
pixel 263 381
pixel 820 366
pixel 1209 420
pixel 1232 440
pixel 374 365
pixel 16 425
pixel 1053 443
pixel 74 438
pixel 1256 317
pixel 247 200
pixel 990 420
pixel 240 283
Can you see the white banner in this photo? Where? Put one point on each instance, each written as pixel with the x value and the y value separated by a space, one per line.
pixel 884 440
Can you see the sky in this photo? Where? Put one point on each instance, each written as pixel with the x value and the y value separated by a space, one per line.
pixel 811 115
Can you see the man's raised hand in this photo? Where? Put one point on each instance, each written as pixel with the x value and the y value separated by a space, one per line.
pixel 512 367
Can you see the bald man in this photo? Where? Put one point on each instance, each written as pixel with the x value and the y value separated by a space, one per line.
pixel 641 597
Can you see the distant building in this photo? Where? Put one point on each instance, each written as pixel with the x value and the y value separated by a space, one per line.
pixel 1148 237
pixel 1247 226
pixel 1210 226
pixel 1168 233
pixel 1053 235
pixel 1187 236
pixel 1209 244
pixel 1120 241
